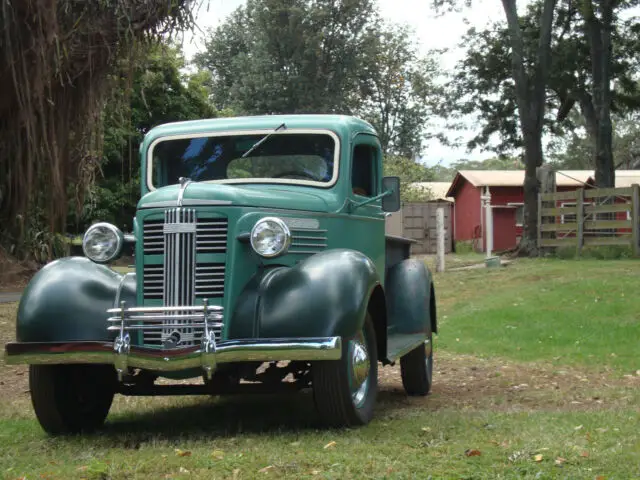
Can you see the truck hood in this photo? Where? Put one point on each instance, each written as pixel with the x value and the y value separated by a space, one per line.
pixel 262 196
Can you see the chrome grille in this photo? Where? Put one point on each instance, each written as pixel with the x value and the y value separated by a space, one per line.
pixel 179 257
pixel 308 241
pixel 212 235
pixel 209 280
pixel 181 279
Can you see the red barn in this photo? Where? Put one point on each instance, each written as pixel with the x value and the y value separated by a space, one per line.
pixel 507 203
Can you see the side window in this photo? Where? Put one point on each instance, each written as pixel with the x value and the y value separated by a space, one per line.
pixel 363 171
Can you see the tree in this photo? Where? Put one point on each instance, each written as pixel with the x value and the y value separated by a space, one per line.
pixel 398 92
pixel 57 56
pixel 529 75
pixel 151 90
pixel 409 172
pixel 322 56
pixel 290 56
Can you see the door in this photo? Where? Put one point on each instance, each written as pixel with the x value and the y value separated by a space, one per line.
pixel 504 228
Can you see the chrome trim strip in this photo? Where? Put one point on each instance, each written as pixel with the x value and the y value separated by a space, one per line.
pixel 187 202
pixel 320 131
pixel 244 350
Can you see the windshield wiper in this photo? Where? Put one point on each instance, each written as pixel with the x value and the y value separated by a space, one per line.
pixel 262 140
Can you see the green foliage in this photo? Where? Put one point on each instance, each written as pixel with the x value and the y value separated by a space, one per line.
pixel 464 248
pixel 575 151
pixel 322 56
pixel 399 90
pixel 483 83
pixel 151 90
pixel 409 172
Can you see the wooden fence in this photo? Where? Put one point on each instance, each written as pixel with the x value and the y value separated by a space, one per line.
pixel 585 217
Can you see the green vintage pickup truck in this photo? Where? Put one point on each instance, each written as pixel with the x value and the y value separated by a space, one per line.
pixel 261 264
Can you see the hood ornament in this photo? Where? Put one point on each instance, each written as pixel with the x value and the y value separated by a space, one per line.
pixel 184 183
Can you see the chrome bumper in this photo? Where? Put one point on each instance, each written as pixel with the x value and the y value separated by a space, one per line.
pixel 208 354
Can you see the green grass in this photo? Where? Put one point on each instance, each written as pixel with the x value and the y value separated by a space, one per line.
pixel 566 312
pixel 511 382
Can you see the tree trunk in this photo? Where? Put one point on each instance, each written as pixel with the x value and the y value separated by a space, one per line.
pixel 530 97
pixel 532 160
pixel 599 32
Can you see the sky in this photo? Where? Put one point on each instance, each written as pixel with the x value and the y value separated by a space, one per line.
pixel 431 32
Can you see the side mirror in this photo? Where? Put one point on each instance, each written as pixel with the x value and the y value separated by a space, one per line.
pixel 391 201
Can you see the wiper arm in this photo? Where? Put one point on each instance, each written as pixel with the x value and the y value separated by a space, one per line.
pixel 262 140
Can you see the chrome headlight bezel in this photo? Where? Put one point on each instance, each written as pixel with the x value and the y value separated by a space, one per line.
pixel 280 224
pixel 118 238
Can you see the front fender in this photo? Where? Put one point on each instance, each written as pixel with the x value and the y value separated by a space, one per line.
pixel 410 298
pixel 324 295
pixel 67 300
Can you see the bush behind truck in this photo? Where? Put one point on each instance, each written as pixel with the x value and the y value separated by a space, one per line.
pixel 258 240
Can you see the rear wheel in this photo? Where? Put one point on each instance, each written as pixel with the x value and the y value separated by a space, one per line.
pixel 345 390
pixel 71 398
pixel 416 368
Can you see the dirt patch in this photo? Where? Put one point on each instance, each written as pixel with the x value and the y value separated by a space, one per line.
pixel 460 382
pixel 14 275
pixel 467 382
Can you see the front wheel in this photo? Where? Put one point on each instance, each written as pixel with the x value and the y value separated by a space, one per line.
pixel 416 368
pixel 345 390
pixel 71 398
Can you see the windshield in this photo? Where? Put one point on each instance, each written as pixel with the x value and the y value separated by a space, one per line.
pixel 305 158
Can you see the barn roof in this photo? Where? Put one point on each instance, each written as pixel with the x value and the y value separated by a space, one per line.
pixel 626 178
pixel 514 178
pixel 438 189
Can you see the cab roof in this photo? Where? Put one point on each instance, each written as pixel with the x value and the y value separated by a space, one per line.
pixel 344 125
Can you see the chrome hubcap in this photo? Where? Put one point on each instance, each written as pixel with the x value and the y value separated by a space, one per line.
pixel 360 365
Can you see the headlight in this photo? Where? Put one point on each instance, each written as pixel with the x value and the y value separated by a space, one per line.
pixel 270 237
pixel 102 242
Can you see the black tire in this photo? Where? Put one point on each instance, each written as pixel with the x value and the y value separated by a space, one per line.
pixel 71 398
pixel 416 368
pixel 337 403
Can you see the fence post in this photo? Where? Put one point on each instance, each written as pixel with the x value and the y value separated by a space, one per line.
pixel 547 177
pixel 635 233
pixel 440 236
pixel 580 219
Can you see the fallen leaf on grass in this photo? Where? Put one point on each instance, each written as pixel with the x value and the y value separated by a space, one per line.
pixel 472 452
pixel 538 458
pixel 236 473
pixel 265 469
pixel 315 472
pixel 183 453
pixel 600 477
pixel 183 470
pixel 217 454
pixel 584 454
pixel 579 427
pixel 560 461
pixel 426 429
pixel 329 445
pixel 82 468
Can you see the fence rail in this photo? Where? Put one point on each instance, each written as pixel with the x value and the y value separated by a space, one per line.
pixel 591 217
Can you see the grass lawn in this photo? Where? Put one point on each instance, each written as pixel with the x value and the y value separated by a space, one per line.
pixel 536 377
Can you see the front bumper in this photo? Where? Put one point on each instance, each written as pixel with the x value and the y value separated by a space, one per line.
pixel 262 350
pixel 208 353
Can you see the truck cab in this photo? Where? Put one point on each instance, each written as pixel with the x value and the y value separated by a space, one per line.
pixel 261 264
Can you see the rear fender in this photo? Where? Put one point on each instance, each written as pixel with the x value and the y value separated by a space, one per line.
pixel 324 295
pixel 67 300
pixel 410 298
